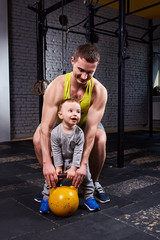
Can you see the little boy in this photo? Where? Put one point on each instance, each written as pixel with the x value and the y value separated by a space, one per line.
pixel 67 140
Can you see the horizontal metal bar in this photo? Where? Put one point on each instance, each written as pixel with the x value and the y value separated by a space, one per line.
pixel 100 31
pixel 96 9
pixel 63 30
pixel 133 37
pixel 77 24
pixel 32 8
pixel 142 9
pixel 103 30
pixel 156 52
pixel 107 34
pixel 127 24
pixel 155 39
pixel 113 34
pixel 130 13
pixel 148 32
pixel 107 21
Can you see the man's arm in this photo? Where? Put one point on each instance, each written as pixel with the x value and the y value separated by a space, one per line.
pixel 52 97
pixel 94 116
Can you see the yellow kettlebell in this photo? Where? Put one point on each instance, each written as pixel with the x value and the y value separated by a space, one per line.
pixel 63 201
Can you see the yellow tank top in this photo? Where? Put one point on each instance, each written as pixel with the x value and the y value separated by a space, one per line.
pixel 84 102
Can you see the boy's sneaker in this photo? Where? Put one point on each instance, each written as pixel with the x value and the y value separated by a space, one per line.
pixel 44 206
pixel 100 194
pixel 39 198
pixel 91 204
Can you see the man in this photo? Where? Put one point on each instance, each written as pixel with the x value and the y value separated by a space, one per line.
pixel 92 95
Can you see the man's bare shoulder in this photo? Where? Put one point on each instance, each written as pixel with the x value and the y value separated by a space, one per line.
pixel 57 82
pixel 99 90
pixel 54 91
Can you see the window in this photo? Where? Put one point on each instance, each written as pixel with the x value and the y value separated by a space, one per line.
pixel 156 70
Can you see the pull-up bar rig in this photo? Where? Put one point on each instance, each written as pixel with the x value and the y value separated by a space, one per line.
pixel 122 55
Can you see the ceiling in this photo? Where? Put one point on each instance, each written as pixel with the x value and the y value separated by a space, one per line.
pixel 151 12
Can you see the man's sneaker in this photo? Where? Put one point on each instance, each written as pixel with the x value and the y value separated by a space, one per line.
pixel 91 204
pixel 44 206
pixel 39 198
pixel 100 194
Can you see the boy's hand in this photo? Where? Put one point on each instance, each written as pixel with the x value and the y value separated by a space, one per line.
pixel 59 171
pixel 71 172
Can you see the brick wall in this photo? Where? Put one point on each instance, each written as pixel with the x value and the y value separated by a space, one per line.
pixel 22 34
pixel 22 39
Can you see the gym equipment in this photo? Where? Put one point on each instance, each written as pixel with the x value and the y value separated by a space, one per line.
pixel 63 201
pixel 39 86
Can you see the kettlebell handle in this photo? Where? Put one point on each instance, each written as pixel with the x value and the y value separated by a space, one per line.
pixel 62 175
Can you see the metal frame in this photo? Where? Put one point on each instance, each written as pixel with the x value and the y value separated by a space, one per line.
pixel 90 29
pixel 121 65
pixel 90 23
pixel 41 13
pixel 121 82
pixel 40 49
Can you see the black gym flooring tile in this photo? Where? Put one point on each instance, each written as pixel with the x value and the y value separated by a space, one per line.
pixel 17 220
pixel 133 212
pixel 92 227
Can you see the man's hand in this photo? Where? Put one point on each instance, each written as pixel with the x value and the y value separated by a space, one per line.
pixel 79 176
pixel 50 174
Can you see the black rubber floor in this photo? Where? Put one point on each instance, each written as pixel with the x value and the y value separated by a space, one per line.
pixel 132 214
